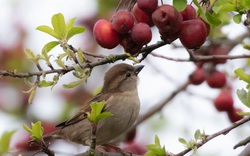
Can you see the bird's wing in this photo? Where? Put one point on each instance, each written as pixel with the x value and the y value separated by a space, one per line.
pixel 82 114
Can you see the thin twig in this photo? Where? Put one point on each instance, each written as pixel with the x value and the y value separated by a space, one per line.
pixel 102 61
pixel 158 107
pixel 242 142
pixel 214 135
pixel 198 58
pixel 93 138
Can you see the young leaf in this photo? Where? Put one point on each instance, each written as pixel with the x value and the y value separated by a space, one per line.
pixel 96 111
pixel 73 84
pixel 48 30
pixel 80 56
pixel 37 130
pixel 242 75
pixel 59 60
pixel 70 24
pixel 30 54
pixel 156 149
pixel 58 23
pixel 180 5
pixel 49 46
pixel 152 147
pixel 103 116
pixel 246 46
pixel 197 4
pixel 27 128
pixel 157 141
pixel 246 3
pixel 224 7
pixel 150 153
pixel 183 141
pixel 243 96
pixel 244 113
pixel 212 19
pixel 5 141
pixel 44 83
pixel 74 31
pixel 237 18
pixel 248 98
pixel 32 94
pixel 197 134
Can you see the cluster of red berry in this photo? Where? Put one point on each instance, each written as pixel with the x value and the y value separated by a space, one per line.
pixel 132 29
pixel 207 71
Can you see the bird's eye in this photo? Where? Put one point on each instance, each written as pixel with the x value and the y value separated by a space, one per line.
pixel 128 74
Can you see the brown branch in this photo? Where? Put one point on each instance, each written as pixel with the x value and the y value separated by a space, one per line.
pixel 210 8
pixel 214 135
pixel 242 142
pixel 147 50
pixel 108 59
pixel 31 74
pixel 158 107
pixel 198 58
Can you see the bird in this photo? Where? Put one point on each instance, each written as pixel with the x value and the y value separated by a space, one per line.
pixel 121 98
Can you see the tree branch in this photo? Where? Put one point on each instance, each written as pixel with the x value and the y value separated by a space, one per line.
pixel 104 60
pixel 197 58
pixel 212 136
pixel 158 107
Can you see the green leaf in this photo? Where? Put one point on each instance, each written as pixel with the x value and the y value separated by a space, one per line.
pixel 70 24
pixel 157 141
pixel 183 141
pixel 30 54
pixel 180 5
pixel 96 109
pixel 152 146
pixel 32 95
pixel 197 134
pixel 59 60
pixel 243 96
pixel 212 19
pixel 48 30
pixel 5 141
pixel 156 149
pixel 103 116
pixel 226 7
pixel 49 46
pixel 242 75
pixel 74 31
pixel 37 130
pixel 150 153
pixel 58 23
pixel 246 46
pixel 44 83
pixel 237 18
pixel 55 80
pixel 197 4
pixel 81 57
pixel 73 84
pixel 78 68
pixel 27 128
pixel 248 98
pixel 244 113
pixel 246 4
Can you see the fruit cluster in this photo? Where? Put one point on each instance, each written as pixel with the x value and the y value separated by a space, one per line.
pixel 206 71
pixel 132 29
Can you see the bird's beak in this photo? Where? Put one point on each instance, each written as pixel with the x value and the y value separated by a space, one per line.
pixel 138 69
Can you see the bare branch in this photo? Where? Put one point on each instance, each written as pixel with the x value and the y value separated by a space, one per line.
pixel 158 107
pixel 104 60
pixel 197 58
pixel 212 136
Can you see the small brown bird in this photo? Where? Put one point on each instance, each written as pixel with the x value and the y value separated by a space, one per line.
pixel 120 94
